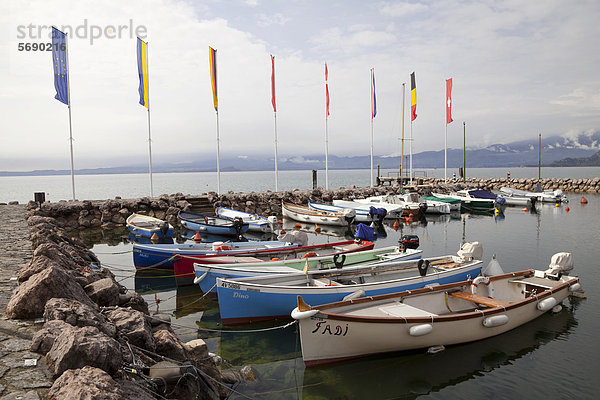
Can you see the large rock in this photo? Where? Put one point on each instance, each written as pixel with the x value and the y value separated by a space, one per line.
pixel 104 292
pixel 91 383
pixel 77 314
pixel 30 298
pixel 135 301
pixel 133 325
pixel 168 344
pixel 44 339
pixel 81 347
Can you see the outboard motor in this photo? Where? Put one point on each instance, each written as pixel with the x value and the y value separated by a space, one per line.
pixel 560 264
pixel 377 214
pixel 164 228
pixel 237 225
pixel 349 215
pixel 409 241
pixel 422 208
pixel 534 200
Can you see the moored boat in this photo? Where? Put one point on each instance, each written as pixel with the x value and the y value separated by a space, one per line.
pixel 255 222
pixel 470 202
pixel 147 255
pixel 206 274
pixel 146 226
pixel 213 225
pixel 432 316
pixel 392 211
pixel 306 214
pixel 546 196
pixel 184 264
pixel 246 300
pixel 360 215
pixel 453 203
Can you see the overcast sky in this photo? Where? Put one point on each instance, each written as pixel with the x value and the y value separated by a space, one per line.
pixel 519 68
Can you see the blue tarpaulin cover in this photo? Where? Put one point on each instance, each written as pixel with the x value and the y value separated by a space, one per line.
pixel 365 232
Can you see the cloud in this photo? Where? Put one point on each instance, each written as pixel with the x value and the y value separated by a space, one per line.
pixel 397 9
pixel 265 20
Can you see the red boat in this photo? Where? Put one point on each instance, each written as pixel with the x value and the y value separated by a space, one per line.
pixel 184 265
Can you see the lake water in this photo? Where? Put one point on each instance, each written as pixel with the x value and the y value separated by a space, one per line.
pixel 557 356
pixel 101 187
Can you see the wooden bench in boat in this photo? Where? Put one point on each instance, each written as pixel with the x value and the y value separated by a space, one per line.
pixel 475 298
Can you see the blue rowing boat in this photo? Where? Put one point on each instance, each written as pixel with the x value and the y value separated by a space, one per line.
pixel 212 225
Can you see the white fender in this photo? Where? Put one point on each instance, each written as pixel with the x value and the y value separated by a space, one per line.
pixel 200 278
pixel 296 314
pixel 546 304
pixel 420 330
pixel 354 295
pixel 495 320
pixel 483 281
pixel 574 287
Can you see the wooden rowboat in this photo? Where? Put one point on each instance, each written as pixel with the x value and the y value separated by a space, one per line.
pixel 433 316
pixel 146 226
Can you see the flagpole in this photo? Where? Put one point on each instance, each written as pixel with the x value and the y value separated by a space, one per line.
pixel 372 97
pixel 149 134
pixel 446 153
pixel 326 154
pixel 326 132
pixel 218 156
pixel 276 170
pixel 69 107
pixel 402 141
pixel 410 151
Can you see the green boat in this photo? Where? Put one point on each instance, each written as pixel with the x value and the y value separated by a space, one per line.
pixel 454 203
pixel 469 203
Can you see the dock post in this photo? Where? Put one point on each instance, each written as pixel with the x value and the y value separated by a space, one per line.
pixel 314 178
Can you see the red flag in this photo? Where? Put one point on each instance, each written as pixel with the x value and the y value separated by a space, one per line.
pixel 273 83
pixel 448 101
pixel 326 92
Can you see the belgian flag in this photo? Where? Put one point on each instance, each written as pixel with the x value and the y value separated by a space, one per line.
pixel 413 97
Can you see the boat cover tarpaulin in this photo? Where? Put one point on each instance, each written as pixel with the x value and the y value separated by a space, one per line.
pixel 482 194
pixel 365 232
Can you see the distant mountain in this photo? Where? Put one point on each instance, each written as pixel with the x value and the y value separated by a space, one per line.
pixel 593 161
pixel 515 154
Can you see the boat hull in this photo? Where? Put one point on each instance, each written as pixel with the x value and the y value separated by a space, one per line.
pixel 307 215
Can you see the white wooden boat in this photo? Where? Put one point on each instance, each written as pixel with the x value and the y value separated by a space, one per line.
pixel 408 204
pixel 146 226
pixel 255 222
pixel 361 215
pixel 546 196
pixel 513 199
pixel 305 214
pixel 433 316
pixel 393 211
pixel 413 202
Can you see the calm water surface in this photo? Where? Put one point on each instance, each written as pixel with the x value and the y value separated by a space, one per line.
pixel 128 186
pixel 557 356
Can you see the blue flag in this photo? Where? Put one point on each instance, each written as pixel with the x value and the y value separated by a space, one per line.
pixel 59 60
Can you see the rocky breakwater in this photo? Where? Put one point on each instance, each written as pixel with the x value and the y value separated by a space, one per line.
pixel 567 185
pixel 99 341
pixel 109 213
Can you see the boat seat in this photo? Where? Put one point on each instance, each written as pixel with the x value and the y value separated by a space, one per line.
pixel 475 298
pixel 325 282
pixel 404 310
